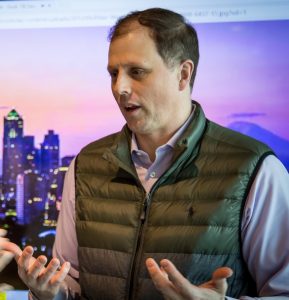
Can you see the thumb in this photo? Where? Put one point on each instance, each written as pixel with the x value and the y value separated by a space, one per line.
pixel 12 248
pixel 219 279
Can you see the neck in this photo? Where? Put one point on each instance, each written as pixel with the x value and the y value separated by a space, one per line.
pixel 150 142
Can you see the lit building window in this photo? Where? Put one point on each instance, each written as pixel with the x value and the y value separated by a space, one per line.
pixel 12 133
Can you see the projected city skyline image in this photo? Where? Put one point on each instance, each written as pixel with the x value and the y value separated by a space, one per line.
pixel 57 78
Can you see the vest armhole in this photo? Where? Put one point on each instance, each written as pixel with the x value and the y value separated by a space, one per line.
pixel 252 178
pixel 75 168
pixel 250 183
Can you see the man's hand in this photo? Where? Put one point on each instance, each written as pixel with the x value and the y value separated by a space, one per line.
pixel 5 256
pixel 171 283
pixel 43 281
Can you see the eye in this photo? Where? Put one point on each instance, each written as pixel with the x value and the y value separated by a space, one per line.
pixel 137 72
pixel 113 74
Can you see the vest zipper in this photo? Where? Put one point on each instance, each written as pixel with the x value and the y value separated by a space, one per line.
pixel 137 253
pixel 144 209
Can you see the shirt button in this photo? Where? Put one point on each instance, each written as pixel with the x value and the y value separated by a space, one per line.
pixel 152 174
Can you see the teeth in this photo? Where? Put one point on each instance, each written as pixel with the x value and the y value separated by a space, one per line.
pixel 131 106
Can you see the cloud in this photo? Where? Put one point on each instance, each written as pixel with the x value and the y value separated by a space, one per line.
pixel 4 107
pixel 250 115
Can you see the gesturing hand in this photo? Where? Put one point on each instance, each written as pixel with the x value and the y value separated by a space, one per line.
pixel 171 283
pixel 43 281
pixel 5 256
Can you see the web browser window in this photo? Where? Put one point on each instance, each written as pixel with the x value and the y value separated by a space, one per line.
pixel 55 92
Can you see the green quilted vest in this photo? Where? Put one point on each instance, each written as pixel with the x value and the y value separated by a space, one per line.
pixel 191 216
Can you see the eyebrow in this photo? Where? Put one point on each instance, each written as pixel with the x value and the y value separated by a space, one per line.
pixel 129 65
pixel 109 68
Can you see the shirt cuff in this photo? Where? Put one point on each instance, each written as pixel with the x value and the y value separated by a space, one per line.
pixel 62 295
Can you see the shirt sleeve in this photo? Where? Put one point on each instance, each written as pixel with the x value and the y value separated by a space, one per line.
pixel 65 245
pixel 265 227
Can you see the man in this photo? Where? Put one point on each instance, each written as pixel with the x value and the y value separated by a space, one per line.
pixel 172 188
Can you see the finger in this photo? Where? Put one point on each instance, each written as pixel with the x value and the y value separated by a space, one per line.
pixel 24 259
pixel 164 273
pixel 5 258
pixel 60 275
pixel 4 287
pixel 3 232
pixel 181 284
pixel 160 279
pixel 157 274
pixel 220 279
pixel 50 271
pixel 11 247
pixel 223 272
pixel 36 267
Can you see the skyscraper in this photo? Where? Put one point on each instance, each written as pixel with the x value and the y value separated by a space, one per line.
pixel 49 169
pixel 50 153
pixel 20 198
pixel 12 155
pixel 31 155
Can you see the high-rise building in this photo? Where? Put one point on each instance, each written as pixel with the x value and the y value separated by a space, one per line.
pixel 31 155
pixel 49 169
pixel 2 200
pixel 20 199
pixel 31 198
pixel 66 160
pixel 50 209
pixel 50 153
pixel 12 155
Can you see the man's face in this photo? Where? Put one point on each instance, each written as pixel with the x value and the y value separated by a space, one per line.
pixel 144 87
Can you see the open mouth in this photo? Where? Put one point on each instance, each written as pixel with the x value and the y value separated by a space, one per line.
pixel 131 108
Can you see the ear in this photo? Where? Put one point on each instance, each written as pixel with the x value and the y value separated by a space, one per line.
pixel 186 71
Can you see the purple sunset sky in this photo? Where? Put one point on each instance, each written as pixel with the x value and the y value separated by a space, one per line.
pixel 57 79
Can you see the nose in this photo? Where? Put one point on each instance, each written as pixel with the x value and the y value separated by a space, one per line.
pixel 121 86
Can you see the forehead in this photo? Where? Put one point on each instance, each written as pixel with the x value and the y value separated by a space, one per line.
pixel 132 29
pixel 135 44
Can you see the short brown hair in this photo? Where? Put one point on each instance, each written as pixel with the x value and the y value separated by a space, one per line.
pixel 176 40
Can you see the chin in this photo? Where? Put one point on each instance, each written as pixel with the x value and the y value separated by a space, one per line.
pixel 137 130
pixel 136 127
